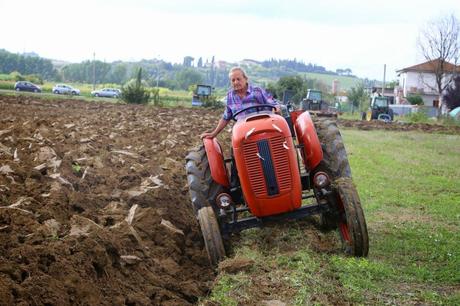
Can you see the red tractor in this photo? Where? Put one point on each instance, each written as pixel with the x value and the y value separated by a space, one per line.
pixel 276 163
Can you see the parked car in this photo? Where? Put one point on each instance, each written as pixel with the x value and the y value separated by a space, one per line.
pixel 26 86
pixel 65 89
pixel 107 92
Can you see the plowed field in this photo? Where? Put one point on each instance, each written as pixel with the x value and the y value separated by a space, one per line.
pixel 94 205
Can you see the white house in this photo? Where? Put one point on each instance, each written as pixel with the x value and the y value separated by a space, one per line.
pixel 420 79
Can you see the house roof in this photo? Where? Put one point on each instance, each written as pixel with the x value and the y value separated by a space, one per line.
pixel 430 66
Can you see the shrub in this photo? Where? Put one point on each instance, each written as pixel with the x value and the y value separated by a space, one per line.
pixel 212 102
pixel 6 85
pixel 417 117
pixel 415 100
pixel 135 92
pixel 16 76
pixel 155 94
pixel 34 78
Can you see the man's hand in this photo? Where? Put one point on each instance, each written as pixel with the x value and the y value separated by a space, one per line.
pixel 277 110
pixel 207 135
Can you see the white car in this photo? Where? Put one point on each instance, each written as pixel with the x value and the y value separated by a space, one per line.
pixel 64 89
pixel 107 92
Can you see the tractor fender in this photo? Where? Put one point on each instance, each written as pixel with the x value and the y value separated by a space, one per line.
pixel 306 134
pixel 216 161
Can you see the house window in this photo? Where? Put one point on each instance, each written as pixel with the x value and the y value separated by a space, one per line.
pixel 435 103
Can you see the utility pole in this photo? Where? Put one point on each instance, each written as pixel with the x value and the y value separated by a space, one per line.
pixel 94 70
pixel 158 69
pixel 384 75
pixel 158 75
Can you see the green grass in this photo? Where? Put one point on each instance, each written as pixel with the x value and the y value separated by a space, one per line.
pixel 345 82
pixel 5 77
pixel 409 186
pixel 167 98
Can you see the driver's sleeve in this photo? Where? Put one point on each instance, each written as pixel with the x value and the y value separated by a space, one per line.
pixel 227 113
pixel 267 99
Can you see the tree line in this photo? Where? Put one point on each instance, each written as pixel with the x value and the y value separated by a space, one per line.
pixel 155 72
pixel 10 62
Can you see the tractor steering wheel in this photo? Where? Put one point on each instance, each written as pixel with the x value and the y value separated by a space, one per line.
pixel 251 107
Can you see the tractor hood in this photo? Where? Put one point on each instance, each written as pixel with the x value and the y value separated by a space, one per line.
pixel 258 126
pixel 266 161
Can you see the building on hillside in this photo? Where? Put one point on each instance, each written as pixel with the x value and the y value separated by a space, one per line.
pixel 335 87
pixel 420 80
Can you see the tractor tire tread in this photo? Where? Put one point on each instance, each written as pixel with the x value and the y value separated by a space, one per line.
pixel 211 235
pixel 354 217
pixel 335 161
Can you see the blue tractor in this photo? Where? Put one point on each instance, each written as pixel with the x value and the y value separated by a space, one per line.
pixel 201 95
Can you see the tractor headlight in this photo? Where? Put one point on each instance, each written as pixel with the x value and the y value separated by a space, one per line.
pixel 321 180
pixel 224 200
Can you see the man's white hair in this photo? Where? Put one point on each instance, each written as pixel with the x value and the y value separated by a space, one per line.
pixel 238 69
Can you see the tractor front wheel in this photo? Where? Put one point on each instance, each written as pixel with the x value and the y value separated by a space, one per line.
pixel 211 235
pixel 352 225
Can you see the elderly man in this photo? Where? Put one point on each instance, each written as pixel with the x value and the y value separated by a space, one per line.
pixel 241 96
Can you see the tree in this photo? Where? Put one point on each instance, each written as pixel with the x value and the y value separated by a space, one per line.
pixel 188 60
pixel 415 100
pixel 347 71
pixel 83 72
pixel 118 74
pixel 357 97
pixel 26 65
pixel 188 77
pixel 295 86
pixel 452 95
pixel 439 43
pixel 135 92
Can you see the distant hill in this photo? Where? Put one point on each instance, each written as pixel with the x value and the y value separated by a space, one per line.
pixel 172 75
pixel 263 72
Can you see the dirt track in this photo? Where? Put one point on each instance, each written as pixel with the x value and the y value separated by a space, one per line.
pixel 94 207
pixel 399 126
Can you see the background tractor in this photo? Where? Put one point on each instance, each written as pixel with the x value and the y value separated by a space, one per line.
pixel 314 101
pixel 277 162
pixel 379 109
pixel 201 95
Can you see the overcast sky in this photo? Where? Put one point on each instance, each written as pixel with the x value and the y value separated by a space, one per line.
pixel 360 35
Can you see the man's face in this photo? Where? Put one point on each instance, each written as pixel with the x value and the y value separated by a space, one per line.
pixel 238 80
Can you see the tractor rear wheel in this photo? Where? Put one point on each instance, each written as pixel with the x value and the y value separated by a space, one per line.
pixel 352 225
pixel 202 188
pixel 335 162
pixel 347 214
pixel 203 192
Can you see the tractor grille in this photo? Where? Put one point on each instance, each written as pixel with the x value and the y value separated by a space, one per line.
pixel 270 175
